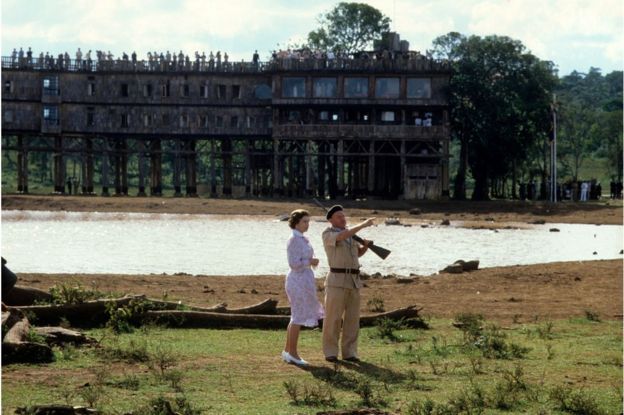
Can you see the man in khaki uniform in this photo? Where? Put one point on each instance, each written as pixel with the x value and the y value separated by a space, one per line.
pixel 342 286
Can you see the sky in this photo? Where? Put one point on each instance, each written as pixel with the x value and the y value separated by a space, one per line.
pixel 575 34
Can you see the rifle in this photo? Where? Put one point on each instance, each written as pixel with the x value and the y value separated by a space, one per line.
pixel 377 250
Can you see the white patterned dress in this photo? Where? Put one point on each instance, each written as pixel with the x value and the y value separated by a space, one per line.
pixel 306 310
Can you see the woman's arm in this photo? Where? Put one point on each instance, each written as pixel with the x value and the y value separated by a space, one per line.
pixel 295 251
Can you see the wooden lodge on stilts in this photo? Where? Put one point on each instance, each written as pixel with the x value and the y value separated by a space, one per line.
pixel 356 128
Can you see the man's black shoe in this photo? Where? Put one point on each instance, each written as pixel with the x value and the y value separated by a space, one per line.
pixel 332 359
pixel 353 359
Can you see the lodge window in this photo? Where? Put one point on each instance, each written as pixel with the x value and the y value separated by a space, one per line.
pixel 125 120
pixel 50 85
pixel 51 115
pixel 147 90
pixel 387 88
pixel 293 87
pixel 325 88
pixel 419 88
pixel 236 90
pixel 166 89
pixel 124 90
pixel 203 91
pixel 328 116
pixel 220 91
pixel 185 90
pixel 184 120
pixel 356 87
pixel 389 116
pixel 90 117
pixel 203 121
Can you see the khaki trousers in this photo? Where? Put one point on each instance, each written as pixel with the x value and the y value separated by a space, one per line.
pixel 342 311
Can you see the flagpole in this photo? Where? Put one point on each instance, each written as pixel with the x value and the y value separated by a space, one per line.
pixel 554 145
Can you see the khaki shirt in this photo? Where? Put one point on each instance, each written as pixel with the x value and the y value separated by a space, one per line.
pixel 341 254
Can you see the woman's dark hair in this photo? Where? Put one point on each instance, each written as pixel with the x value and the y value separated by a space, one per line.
pixel 295 217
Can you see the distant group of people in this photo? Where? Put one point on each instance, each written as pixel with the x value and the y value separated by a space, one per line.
pixel 106 60
pixel 580 190
pixel 72 183
pixel 307 53
pixel 168 61
pixel 615 189
pixel 427 121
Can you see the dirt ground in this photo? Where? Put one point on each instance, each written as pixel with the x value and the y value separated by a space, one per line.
pixel 523 293
pixel 603 212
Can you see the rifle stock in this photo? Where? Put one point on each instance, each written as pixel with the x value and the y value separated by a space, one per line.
pixel 377 250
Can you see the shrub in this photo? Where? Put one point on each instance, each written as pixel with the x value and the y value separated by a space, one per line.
pixel 130 382
pixel 471 325
pixel 135 352
pixel 318 394
pixel 386 327
pixel 125 319
pixel 161 360
pixel 34 337
pixel 375 304
pixel 592 316
pixel 575 401
pixel 163 406
pixel 67 294
pixel 493 345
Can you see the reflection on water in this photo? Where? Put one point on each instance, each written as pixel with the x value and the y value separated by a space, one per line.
pixel 138 243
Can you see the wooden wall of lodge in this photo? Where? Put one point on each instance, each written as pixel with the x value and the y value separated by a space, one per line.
pixel 288 162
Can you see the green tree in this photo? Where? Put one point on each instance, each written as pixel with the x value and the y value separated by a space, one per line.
pixel 500 106
pixel 576 121
pixel 349 27
pixel 591 120
pixel 609 131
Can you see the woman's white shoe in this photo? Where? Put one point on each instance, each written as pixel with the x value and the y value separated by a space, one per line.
pixel 288 358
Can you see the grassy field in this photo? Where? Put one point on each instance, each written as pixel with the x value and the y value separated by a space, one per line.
pixel 538 366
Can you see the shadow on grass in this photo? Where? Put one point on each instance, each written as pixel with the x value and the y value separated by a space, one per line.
pixel 356 374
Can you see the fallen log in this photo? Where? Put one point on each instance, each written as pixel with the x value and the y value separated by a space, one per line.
pixel 203 319
pixel 60 336
pixel 400 313
pixel 20 295
pixel 198 319
pixel 17 346
pixel 55 410
pixel 88 313
pixel 268 306
pixel 94 312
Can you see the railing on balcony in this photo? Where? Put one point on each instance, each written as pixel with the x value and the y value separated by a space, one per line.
pixel 400 64
pixel 121 65
pixel 312 131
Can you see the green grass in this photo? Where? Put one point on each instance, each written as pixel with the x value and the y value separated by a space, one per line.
pixel 240 371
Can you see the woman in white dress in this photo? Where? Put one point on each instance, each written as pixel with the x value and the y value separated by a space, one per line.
pixel 306 310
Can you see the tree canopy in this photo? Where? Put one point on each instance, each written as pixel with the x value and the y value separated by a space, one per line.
pixel 500 100
pixel 349 27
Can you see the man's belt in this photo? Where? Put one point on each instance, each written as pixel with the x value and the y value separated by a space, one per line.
pixel 345 270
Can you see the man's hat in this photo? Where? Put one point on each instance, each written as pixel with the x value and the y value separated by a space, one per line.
pixel 333 210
